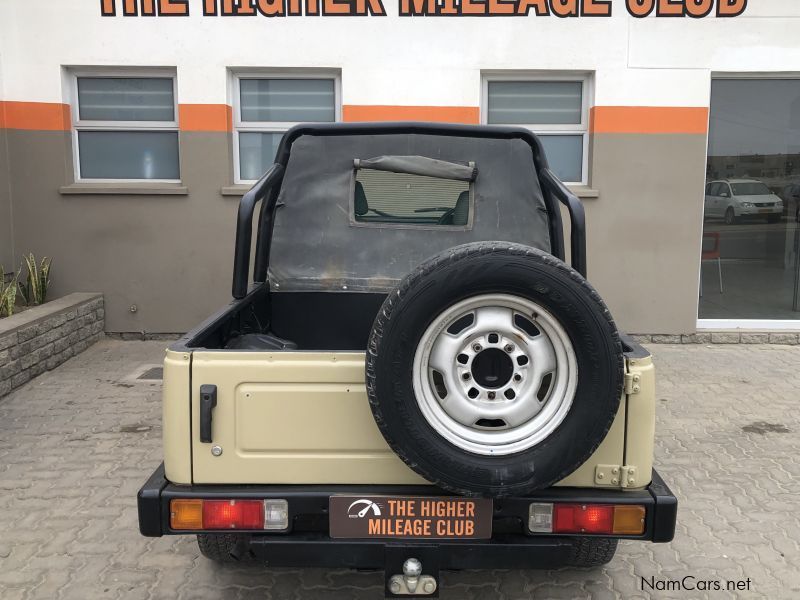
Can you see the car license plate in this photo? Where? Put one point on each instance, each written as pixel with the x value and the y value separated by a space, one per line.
pixel 420 517
pixel 765 210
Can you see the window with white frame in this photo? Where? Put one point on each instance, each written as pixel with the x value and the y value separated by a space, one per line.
pixel 556 108
pixel 268 105
pixel 126 127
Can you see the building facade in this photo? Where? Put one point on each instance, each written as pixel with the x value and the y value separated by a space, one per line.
pixel 130 129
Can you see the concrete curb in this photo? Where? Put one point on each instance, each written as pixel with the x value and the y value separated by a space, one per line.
pixel 788 338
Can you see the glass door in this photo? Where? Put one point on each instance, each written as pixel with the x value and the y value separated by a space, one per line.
pixel 750 273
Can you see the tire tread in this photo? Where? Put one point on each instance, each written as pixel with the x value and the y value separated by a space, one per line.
pixel 592 552
pixel 220 547
pixel 438 262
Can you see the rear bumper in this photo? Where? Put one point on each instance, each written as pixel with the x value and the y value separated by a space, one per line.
pixel 501 552
pixel 307 542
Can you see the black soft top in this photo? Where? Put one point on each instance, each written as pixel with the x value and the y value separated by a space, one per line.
pixel 317 246
pixel 308 239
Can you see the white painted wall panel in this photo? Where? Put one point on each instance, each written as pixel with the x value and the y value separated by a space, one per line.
pixel 392 60
pixel 652 87
pixel 740 44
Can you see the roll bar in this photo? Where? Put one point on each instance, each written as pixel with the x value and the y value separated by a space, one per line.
pixel 577 219
pixel 266 191
pixel 244 227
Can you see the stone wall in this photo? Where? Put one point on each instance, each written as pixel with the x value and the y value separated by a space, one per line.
pixel 43 337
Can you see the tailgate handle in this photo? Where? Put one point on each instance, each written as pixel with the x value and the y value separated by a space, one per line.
pixel 208 400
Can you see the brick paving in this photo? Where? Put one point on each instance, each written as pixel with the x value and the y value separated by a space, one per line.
pixel 76 443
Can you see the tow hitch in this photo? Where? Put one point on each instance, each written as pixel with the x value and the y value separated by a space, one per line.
pixel 412 582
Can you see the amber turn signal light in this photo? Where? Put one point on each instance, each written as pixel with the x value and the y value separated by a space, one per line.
pixel 186 514
pixel 628 519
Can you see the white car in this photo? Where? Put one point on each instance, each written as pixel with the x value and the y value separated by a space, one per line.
pixel 733 199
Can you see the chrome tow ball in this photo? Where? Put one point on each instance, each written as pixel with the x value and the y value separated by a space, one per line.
pixel 412 581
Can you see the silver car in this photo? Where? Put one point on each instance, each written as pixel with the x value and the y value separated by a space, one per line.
pixel 734 199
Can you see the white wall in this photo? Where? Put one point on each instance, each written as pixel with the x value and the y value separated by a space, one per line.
pixel 400 61
pixel 6 231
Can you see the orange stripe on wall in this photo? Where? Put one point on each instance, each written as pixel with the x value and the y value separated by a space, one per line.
pixel 41 116
pixel 45 116
pixel 441 114
pixel 649 119
pixel 205 117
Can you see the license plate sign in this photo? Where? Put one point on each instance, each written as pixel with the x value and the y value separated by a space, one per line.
pixel 410 517
pixel 765 210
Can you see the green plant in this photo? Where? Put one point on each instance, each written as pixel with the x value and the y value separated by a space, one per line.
pixel 8 294
pixel 37 280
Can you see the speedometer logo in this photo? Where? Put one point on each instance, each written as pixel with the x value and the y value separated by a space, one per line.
pixel 360 508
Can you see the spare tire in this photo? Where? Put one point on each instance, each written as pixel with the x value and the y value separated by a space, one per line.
pixel 494 369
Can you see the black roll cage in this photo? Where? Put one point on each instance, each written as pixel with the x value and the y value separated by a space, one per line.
pixel 268 187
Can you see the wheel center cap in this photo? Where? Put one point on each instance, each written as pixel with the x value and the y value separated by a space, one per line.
pixel 492 368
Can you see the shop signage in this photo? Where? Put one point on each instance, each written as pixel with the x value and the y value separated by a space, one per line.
pixel 420 8
pixel 410 517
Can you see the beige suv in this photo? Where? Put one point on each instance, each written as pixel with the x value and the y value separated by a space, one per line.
pixel 414 379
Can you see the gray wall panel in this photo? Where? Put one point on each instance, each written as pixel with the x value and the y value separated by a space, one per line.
pixel 645 228
pixel 171 256
pixel 6 255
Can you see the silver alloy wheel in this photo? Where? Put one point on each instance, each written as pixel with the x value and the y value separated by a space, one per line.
pixel 495 374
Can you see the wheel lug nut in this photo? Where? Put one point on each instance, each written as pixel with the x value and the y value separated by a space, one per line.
pixel 509 348
pixel 491 395
pixel 517 377
pixel 477 347
pixel 465 376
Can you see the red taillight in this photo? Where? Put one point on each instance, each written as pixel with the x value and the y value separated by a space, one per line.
pixel 583 518
pixel 233 514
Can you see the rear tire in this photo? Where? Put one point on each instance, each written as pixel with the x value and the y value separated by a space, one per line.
pixel 225 548
pixel 592 552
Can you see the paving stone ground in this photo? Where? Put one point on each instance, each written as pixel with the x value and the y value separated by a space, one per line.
pixel 76 443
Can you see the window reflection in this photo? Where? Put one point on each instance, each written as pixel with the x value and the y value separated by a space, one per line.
pixel 750 260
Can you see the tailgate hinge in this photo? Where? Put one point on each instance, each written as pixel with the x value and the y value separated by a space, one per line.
pixel 615 476
pixel 632 383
